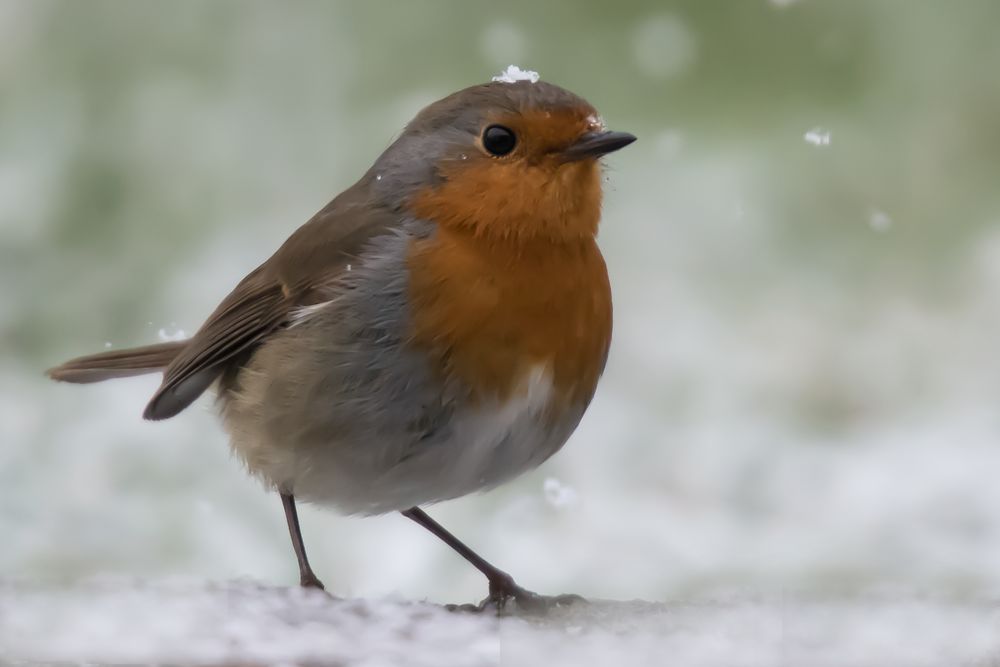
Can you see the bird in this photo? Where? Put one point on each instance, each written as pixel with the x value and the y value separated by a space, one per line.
pixel 435 330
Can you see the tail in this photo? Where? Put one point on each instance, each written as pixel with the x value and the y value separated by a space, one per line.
pixel 117 363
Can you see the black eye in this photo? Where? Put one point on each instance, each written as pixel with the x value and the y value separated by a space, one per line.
pixel 499 140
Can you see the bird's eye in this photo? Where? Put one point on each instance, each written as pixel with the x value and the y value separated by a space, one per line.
pixel 499 140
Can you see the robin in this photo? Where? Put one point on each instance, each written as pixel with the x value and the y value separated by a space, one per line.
pixel 437 329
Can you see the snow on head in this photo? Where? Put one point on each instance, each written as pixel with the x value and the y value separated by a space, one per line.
pixel 513 74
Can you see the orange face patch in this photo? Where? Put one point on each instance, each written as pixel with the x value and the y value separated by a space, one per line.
pixel 543 133
pixel 532 192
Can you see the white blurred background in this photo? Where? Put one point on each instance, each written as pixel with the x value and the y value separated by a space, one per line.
pixel 804 247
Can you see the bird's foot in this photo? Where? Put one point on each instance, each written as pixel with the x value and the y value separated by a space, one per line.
pixel 507 598
pixel 310 580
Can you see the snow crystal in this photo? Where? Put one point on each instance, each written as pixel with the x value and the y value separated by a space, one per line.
pixel 513 74
pixel 166 336
pixel 817 137
pixel 559 495
pixel 879 220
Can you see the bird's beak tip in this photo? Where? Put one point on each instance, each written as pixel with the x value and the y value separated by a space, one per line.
pixel 596 144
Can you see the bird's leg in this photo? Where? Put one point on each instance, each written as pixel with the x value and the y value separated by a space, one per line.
pixel 502 585
pixel 306 577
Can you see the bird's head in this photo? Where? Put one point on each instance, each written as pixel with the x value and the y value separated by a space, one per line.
pixel 511 160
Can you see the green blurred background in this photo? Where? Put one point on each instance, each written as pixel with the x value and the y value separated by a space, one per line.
pixel 804 247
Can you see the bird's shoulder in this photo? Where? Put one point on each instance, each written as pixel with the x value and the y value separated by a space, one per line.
pixel 320 250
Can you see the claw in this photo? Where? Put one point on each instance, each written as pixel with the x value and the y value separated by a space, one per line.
pixel 309 580
pixel 524 602
pixel 503 590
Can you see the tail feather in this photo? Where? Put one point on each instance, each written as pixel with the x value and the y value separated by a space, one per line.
pixel 117 363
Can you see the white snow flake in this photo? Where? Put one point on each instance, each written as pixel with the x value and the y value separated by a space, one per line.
pixel 817 137
pixel 166 336
pixel 513 74
pixel 879 221
pixel 559 495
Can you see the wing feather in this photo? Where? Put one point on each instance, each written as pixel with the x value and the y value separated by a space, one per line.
pixel 302 272
pixel 254 309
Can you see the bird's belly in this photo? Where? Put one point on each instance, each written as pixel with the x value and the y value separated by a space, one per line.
pixel 374 470
pixel 481 451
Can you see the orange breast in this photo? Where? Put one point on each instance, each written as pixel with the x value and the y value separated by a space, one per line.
pixel 489 311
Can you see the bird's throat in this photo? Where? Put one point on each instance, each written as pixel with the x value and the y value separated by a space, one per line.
pixel 517 202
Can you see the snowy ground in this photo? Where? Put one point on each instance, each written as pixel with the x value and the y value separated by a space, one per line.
pixel 178 623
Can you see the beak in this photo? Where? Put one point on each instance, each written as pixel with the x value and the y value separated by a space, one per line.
pixel 596 144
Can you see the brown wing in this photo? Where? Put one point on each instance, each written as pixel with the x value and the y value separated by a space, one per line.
pixel 294 276
pixel 253 310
